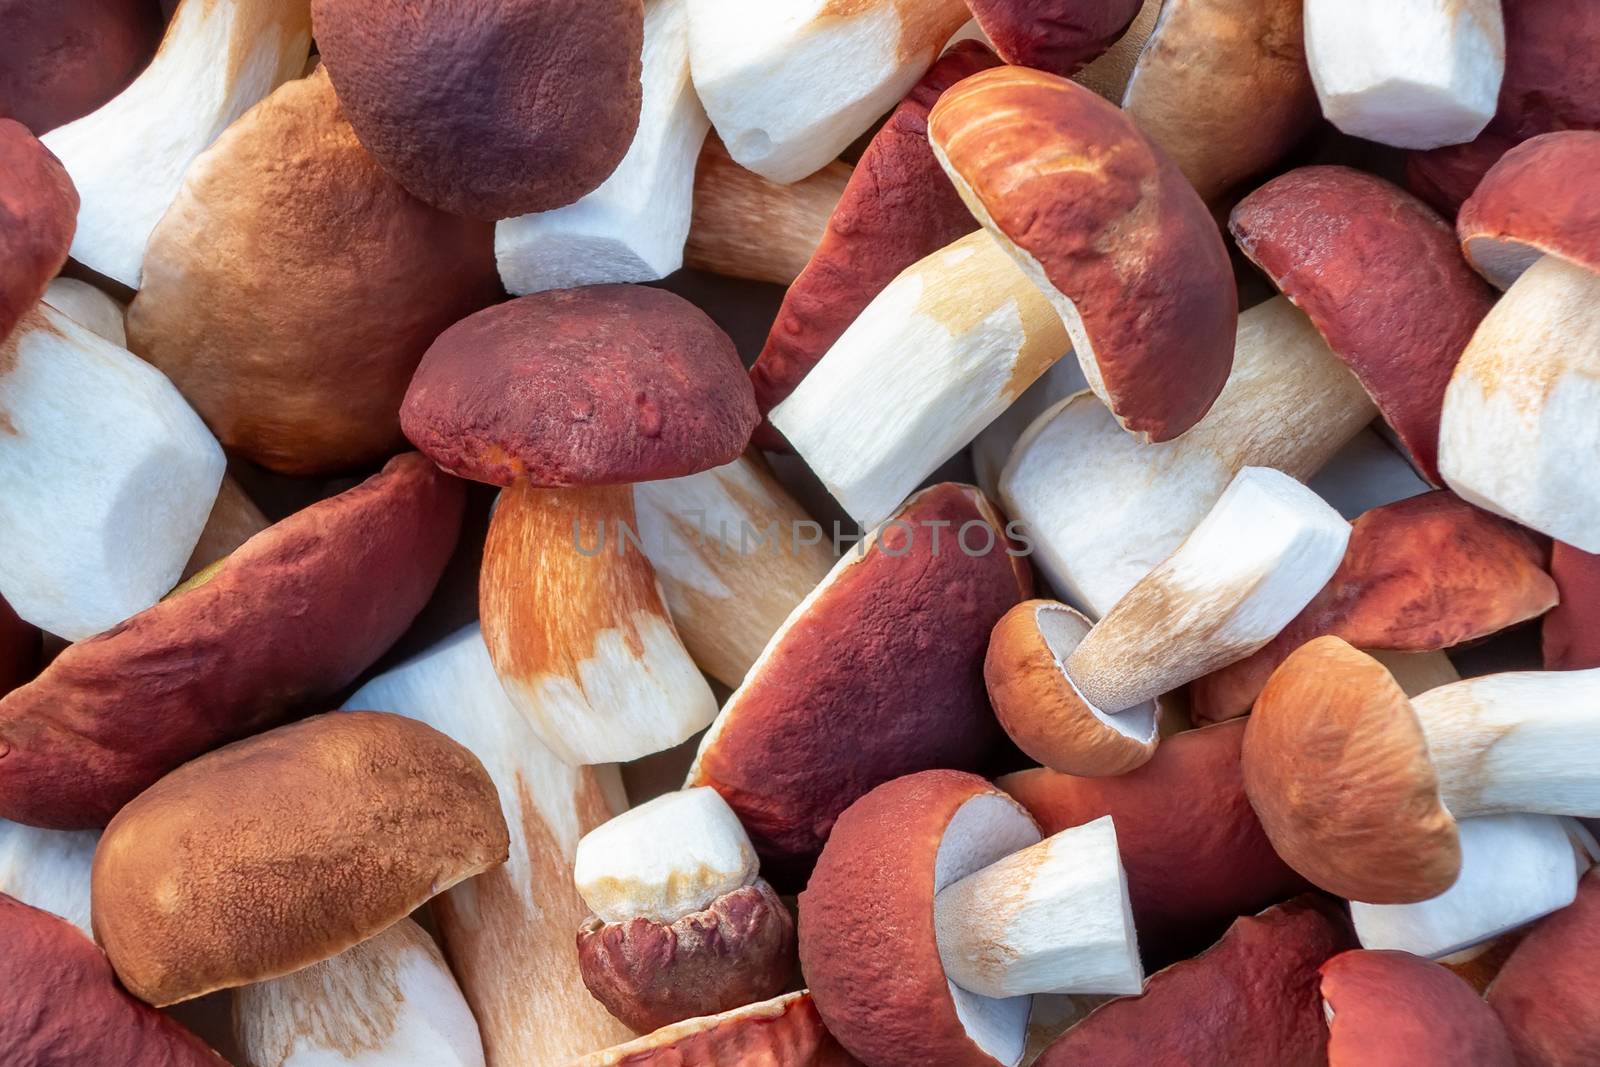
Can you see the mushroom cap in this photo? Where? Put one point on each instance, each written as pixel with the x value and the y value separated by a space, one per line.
pixel 785 1031
pixel 488 108
pixel 1381 277
pixel 1248 1001
pixel 1571 633
pixel 20 645
pixel 1337 769
pixel 293 286
pixel 1545 992
pixel 1042 709
pixel 276 852
pixel 287 620
pixel 868 944
pixel 1058 36
pixel 38 216
pixel 61 60
pixel 1396 1009
pixel 1192 867
pixel 64 1007
pixel 1108 227
pixel 581 387
pixel 878 673
pixel 1537 200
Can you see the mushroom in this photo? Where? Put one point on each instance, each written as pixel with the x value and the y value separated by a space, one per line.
pixel 106 478
pixel 1192 867
pixel 682 927
pixel 293 286
pixel 1413 73
pixel 508 932
pixel 633 227
pixel 734 554
pixel 1249 1001
pixel 390 996
pixel 60 61
pixel 565 398
pixel 1423 574
pixel 485 108
pixel 1222 86
pixel 1545 992
pixel 936 883
pixel 785 1031
pixel 1393 1009
pixel 65 1009
pixel 1058 36
pixel 1515 436
pixel 1375 821
pixel 40 206
pixel 897 208
pixel 1571 634
pixel 289 619
pixel 1533 203
pixel 790 83
pixel 48 869
pixel 277 852
pixel 998 135
pixel 878 673
pixel 129 156
pixel 89 307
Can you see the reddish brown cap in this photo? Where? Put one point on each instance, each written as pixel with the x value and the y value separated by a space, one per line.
pixel 20 645
pixel 1193 866
pixel 1105 222
pixel 286 621
pixel 1393 1009
pixel 897 208
pixel 488 108
pixel 38 216
pixel 783 1032
pixel 1572 630
pixel 1382 279
pixel 879 673
pixel 1545 993
pixel 581 387
pixel 63 59
pixel 1059 36
pixel 1420 575
pixel 1250 1001
pixel 1538 200
pixel 1337 769
pixel 65 1009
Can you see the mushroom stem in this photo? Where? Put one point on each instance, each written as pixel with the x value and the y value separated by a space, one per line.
pixel 1053 918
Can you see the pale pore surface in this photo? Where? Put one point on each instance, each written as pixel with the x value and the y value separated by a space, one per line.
pixel 1063 632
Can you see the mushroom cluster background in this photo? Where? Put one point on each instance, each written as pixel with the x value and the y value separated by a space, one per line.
pixel 799 533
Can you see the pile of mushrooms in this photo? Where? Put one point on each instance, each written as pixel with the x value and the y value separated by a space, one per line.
pixel 799 533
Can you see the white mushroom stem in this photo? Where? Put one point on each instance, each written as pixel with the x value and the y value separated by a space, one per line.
pixel 390 999
pixel 1053 918
pixel 1514 869
pixel 218 58
pixel 1264 551
pixel 89 307
pixel 665 859
pixel 632 228
pixel 1408 73
pixel 946 347
pixel 1527 741
pixel 992 447
pixel 106 478
pixel 1519 434
pixel 734 554
pixel 1102 509
pixel 48 869
pixel 509 931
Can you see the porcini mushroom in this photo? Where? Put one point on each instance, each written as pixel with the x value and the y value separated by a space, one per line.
pixel 682 926
pixel 41 207
pixel 281 230
pixel 60 61
pixel 1545 992
pixel 785 1031
pixel 273 853
pixel 1571 634
pixel 565 398
pixel 937 882
pixel 1532 203
pixel 128 157
pixel 1393 1009
pixel 485 108
pixel 1058 36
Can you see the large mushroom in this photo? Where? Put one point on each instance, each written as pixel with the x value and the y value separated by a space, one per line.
pixel 935 912
pixel 60 61
pixel 41 209
pixel 1545 992
pixel 488 108
pixel 565 398
pixel 1393 1009
pixel 293 286
pixel 1535 202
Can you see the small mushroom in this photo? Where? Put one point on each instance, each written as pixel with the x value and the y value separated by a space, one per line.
pixel 1058 36
pixel 1545 992
pixel 274 853
pixel 487 108
pixel 682 927
pixel 60 61
pixel 41 207
pixel 1535 202
pixel 785 1031
pixel 936 883
pixel 128 157
pixel 1571 632
pixel 1393 1009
